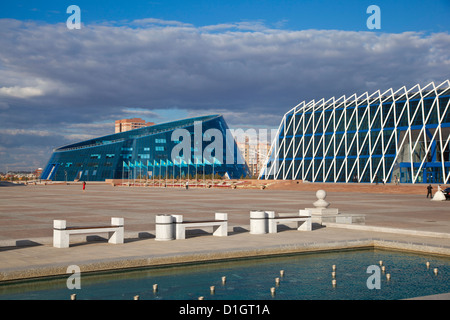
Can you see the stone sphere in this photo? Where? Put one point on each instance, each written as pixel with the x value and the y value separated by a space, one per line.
pixel 321 194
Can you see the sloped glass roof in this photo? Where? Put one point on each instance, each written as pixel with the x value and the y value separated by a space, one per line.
pixel 136 133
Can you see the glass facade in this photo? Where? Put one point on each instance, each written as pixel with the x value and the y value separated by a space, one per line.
pixel 386 137
pixel 176 149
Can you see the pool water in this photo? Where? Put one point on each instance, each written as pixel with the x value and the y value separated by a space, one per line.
pixel 306 277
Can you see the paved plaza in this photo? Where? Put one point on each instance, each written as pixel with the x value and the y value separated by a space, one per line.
pixel 27 213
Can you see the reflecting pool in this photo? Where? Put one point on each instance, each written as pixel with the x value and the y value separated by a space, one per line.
pixel 306 277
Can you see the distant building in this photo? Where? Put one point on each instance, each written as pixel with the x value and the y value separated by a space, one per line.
pixel 37 172
pixel 254 154
pixel 244 148
pixel 131 124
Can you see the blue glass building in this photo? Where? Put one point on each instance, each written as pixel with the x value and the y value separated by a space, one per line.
pixel 176 149
pixel 392 136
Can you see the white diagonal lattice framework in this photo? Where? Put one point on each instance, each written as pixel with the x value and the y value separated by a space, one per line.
pixel 379 137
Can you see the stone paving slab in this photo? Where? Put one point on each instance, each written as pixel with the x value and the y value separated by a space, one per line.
pixel 28 212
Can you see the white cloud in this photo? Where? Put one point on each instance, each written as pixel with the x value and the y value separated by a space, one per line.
pixel 140 112
pixel 251 73
pixel 228 66
pixel 162 22
pixel 31 132
pixel 90 126
pixel 80 137
pixel 20 92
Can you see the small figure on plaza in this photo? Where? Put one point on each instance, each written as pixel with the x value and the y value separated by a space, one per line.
pixel 396 180
pixel 439 195
pixel 429 191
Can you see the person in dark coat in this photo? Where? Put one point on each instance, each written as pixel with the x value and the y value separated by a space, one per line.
pixel 429 193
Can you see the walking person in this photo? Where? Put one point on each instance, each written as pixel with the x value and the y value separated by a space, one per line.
pixel 187 185
pixel 429 193
pixel 84 185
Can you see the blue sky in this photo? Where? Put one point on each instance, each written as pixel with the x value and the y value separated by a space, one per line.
pixel 250 61
pixel 397 16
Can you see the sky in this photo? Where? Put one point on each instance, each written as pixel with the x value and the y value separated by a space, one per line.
pixel 251 61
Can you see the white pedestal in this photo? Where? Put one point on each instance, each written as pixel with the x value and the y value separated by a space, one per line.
pixel 258 222
pixel 164 227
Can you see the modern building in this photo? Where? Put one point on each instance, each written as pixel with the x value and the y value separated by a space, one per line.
pixel 401 135
pixel 131 124
pixel 194 146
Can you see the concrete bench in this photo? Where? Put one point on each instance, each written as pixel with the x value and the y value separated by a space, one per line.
pixel 262 222
pixel 169 227
pixel 61 233
pixel 220 225
pixel 303 220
